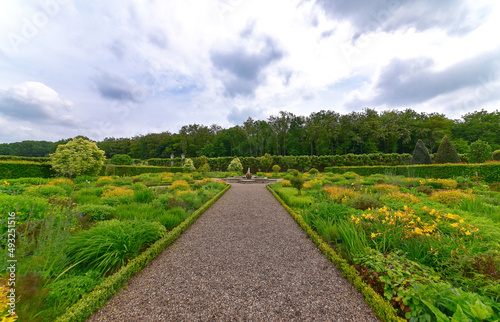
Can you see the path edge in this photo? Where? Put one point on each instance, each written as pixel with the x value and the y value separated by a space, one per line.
pixel 95 300
pixel 381 308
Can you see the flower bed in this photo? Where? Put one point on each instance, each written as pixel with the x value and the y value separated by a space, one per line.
pixel 72 235
pixel 429 246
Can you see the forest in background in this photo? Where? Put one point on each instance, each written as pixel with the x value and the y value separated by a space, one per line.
pixel 321 133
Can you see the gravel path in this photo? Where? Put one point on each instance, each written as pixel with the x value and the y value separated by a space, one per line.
pixel 244 259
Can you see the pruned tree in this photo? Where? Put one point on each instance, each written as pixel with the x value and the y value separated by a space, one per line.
pixel 77 157
pixel 421 154
pixel 446 152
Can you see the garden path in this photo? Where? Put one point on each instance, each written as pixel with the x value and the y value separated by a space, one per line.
pixel 245 258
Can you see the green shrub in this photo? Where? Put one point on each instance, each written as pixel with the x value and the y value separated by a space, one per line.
pixel 48 191
pixel 172 218
pixel 496 155
pixel 427 189
pixel 235 166
pixel 277 168
pixel 189 166
pixel 96 212
pixel 142 194
pixel 121 159
pixel 110 244
pixel 446 152
pixel 420 154
pixel 298 183
pixel 364 202
pixel 479 152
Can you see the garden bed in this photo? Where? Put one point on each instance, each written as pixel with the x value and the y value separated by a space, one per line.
pixel 72 235
pixel 429 246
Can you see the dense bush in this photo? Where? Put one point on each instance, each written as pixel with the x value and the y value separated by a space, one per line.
pixel 188 166
pixel 446 152
pixel 235 166
pixel 479 152
pixel 421 154
pixel 77 157
pixel 121 159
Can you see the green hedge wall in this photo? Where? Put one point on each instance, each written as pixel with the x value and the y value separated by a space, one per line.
pixel 489 172
pixel 25 169
pixel 132 170
pixel 16 158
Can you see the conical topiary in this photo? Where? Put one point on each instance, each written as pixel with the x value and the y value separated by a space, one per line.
pixel 421 154
pixel 446 152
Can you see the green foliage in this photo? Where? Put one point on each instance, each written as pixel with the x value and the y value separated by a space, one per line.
pixel 489 172
pixel 266 161
pixel 205 168
pixel 277 168
pixel 25 169
pixel 66 292
pixel 496 155
pixel 110 244
pixel 235 166
pixel 313 171
pixel 479 152
pixel 96 212
pixel 77 157
pixel 364 202
pixel 297 182
pixel 446 152
pixel 95 300
pixel 121 159
pixel 189 165
pixel 420 154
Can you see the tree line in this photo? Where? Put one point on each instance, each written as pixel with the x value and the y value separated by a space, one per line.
pixel 321 133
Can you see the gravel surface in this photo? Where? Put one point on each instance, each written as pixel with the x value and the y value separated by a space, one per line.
pixel 244 259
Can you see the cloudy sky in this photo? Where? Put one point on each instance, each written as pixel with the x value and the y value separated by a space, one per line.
pixel 120 68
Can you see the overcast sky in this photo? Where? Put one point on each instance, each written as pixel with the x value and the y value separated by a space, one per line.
pixel 120 68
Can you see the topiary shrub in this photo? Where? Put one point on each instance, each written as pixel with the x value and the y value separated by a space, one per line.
pixel 121 159
pixel 446 152
pixel 420 154
pixel 297 182
pixel 188 166
pixel 479 152
pixel 496 155
pixel 277 168
pixel 235 166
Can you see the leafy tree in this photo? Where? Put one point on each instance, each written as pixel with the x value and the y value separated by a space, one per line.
pixel 276 168
pixel 235 166
pixel 479 152
pixel 204 168
pixel 78 156
pixel 121 159
pixel 297 182
pixel 266 161
pixel 421 154
pixel 446 152
pixel 189 166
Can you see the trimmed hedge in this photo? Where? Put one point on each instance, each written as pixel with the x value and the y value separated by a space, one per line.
pixel 489 172
pixel 95 300
pixel 303 162
pixel 381 308
pixel 132 170
pixel 16 158
pixel 25 169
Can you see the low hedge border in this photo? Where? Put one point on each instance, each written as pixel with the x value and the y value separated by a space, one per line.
pixel 379 305
pixel 95 300
pixel 489 172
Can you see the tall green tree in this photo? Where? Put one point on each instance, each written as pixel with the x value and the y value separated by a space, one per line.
pixel 79 156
